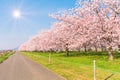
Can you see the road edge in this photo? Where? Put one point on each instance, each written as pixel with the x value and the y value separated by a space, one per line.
pixel 44 66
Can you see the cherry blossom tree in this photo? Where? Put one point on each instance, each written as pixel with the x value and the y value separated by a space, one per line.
pixel 91 23
pixel 65 35
pixel 98 19
pixel 107 21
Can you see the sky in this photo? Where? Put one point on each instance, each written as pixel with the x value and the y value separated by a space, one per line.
pixel 34 18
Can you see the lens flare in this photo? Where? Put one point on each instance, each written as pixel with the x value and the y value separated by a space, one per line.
pixel 16 14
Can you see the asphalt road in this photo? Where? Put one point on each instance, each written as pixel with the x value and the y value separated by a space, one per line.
pixel 18 67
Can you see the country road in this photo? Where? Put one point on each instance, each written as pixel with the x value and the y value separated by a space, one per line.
pixel 18 67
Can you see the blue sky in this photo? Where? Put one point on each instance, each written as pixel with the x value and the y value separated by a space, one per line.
pixel 34 13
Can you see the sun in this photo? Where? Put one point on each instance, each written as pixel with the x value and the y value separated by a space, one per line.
pixel 16 14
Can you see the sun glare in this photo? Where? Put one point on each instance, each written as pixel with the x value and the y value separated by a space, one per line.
pixel 16 14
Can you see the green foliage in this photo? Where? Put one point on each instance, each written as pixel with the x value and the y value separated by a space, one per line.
pixel 79 65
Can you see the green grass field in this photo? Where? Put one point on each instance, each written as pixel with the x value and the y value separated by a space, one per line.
pixel 79 66
pixel 5 56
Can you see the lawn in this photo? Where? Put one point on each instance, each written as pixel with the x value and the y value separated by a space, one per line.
pixel 79 66
pixel 5 56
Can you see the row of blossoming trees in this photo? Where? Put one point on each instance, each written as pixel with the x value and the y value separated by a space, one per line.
pixel 91 23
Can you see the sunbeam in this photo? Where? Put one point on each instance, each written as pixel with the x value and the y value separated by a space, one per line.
pixel 16 14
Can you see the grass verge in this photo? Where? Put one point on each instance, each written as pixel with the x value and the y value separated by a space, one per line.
pixel 5 56
pixel 79 66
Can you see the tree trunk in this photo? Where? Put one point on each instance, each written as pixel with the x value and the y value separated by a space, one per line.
pixel 85 49
pixel 110 55
pixel 79 49
pixel 67 50
pixel 96 50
